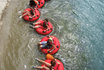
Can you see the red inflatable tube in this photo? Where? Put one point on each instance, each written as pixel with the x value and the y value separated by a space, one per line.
pixel 41 3
pixel 41 29
pixel 37 15
pixel 56 43
pixel 56 67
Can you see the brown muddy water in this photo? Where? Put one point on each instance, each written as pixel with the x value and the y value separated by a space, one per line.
pixel 18 42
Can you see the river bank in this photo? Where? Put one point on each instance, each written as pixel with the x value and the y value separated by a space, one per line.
pixel 3 5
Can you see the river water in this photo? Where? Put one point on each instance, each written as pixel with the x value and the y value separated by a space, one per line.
pixel 79 25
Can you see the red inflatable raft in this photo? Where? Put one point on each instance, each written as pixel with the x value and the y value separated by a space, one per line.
pixel 56 67
pixel 41 3
pixel 37 15
pixel 56 43
pixel 41 29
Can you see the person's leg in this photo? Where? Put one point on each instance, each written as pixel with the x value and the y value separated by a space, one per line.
pixel 36 26
pixel 26 13
pixel 41 67
pixel 46 68
pixel 39 43
pixel 42 46
pixel 36 23
pixel 46 63
pixel 43 42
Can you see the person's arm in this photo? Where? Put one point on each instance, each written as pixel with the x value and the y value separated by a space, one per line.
pixel 51 37
pixel 36 1
pixel 52 48
pixel 52 45
pixel 36 23
pixel 41 67
pixel 34 14
pixel 47 28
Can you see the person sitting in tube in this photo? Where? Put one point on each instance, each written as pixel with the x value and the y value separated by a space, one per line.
pixel 32 5
pixel 47 44
pixel 34 2
pixel 49 66
pixel 45 25
pixel 30 13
